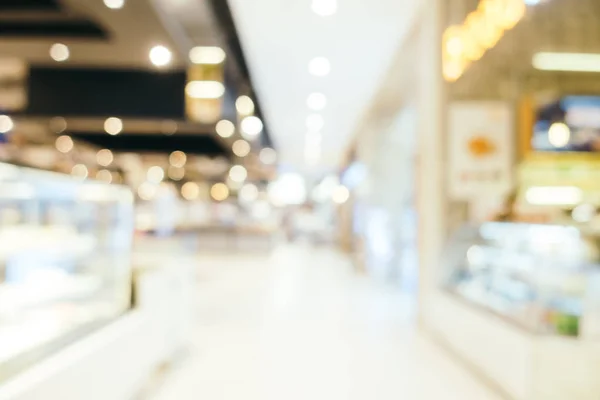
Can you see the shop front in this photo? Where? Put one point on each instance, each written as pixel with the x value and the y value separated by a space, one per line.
pixel 512 286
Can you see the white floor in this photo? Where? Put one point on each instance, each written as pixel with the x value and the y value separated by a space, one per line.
pixel 301 325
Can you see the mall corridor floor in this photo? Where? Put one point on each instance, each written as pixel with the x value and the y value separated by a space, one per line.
pixel 299 324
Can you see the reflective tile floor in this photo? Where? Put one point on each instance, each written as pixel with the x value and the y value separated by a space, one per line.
pixel 301 325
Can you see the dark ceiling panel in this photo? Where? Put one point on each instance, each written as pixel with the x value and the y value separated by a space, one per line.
pixel 79 29
pixel 103 93
pixel 156 143
pixel 29 5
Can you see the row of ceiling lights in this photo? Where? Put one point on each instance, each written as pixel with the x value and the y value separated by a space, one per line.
pixel 160 56
pixel 317 101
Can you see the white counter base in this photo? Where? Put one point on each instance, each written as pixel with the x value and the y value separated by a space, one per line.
pixel 523 365
pixel 115 362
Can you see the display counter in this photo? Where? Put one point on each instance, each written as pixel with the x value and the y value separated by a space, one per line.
pixel 521 303
pixel 65 262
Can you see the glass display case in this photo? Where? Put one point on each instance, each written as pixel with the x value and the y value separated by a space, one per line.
pixel 65 259
pixel 545 278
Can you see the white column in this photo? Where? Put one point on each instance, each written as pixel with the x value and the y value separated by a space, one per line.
pixel 431 153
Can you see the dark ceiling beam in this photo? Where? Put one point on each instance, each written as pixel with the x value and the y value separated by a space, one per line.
pixel 30 5
pixel 207 145
pixel 87 92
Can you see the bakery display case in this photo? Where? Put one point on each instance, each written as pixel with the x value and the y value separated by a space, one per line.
pixel 543 278
pixel 65 259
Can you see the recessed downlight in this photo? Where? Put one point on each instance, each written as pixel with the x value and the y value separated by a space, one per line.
pixel 160 56
pixel 59 52
pixel 251 127
pixel 241 148
pixel 319 66
pixel 113 126
pixel 64 144
pixel 6 124
pixel 114 4
pixel 244 105
pixel 324 8
pixel 225 128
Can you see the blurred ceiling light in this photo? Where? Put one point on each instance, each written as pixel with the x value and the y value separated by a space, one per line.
pixel 169 127
pixel 59 52
pixel 251 127
pixel 114 4
pixel 207 55
pixel 176 173
pixel 288 189
pixel 559 134
pixel 155 174
pixel 268 156
pixel 160 56
pixel 241 148
pixel 113 126
pixel 104 157
pixel 147 191
pixel 79 171
pixel 315 122
pixel 225 128
pixel 64 144
pixel 58 124
pixel 554 195
pixel 104 175
pixel 316 101
pixel 190 191
pixel 319 66
pixel 238 173
pixel 453 41
pixel 219 191
pixel 570 62
pixel 452 70
pixel 324 8
pixel 6 124
pixel 340 194
pixel 177 158
pixel 244 105
pixel 205 89
pixel 513 12
pixel 248 193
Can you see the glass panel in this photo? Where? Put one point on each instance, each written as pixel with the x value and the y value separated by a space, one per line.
pixel 65 259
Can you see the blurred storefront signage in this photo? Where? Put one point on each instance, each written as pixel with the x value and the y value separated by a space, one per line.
pixel 481 149
pixel 482 29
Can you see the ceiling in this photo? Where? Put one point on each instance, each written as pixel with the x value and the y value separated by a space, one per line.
pixel 281 37
pixel 506 71
pixel 115 38
pixel 108 72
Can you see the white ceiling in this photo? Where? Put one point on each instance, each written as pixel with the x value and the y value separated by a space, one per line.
pixel 281 37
